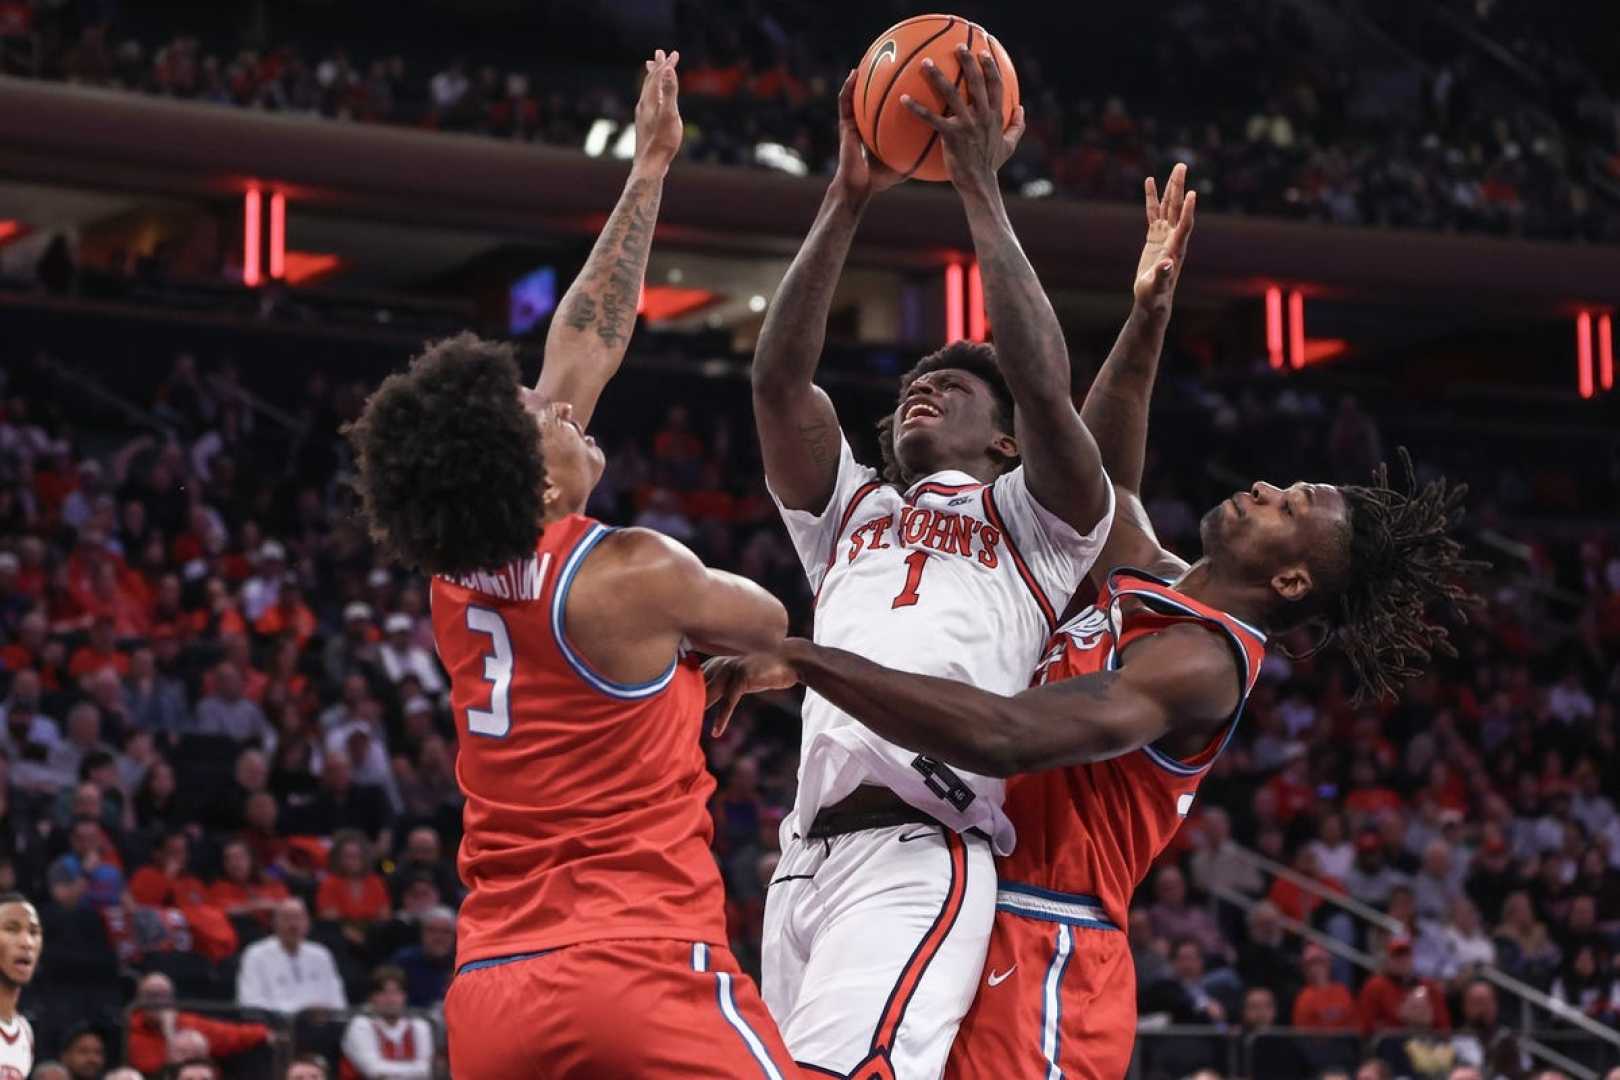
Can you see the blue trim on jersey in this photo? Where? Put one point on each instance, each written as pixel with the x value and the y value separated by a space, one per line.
pixel 1154 754
pixel 728 1009
pixel 1052 1004
pixel 499 961
pixel 1049 894
pixel 1078 924
pixel 559 601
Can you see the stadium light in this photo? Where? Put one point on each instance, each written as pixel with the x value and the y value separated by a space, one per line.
pixel 596 139
pixel 1274 327
pixel 1296 329
pixel 624 148
pixel 251 226
pixel 784 158
pixel 953 302
pixel 1583 353
pixel 975 302
pixel 278 236
pixel 1606 351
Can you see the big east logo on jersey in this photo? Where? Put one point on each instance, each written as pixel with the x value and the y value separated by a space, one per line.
pixel 937 530
pixel 1085 630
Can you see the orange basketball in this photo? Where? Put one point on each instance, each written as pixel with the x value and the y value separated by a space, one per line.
pixel 893 66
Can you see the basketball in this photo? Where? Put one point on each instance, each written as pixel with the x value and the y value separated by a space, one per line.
pixel 892 67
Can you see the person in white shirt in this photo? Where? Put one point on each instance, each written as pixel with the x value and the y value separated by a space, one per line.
pixel 261 591
pixel 286 972
pixel 402 656
pixel 385 1044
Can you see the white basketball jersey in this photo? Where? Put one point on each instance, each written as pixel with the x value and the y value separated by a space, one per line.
pixel 16 1049
pixel 951 578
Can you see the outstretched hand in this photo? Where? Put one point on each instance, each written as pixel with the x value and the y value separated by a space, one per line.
pixel 860 174
pixel 727 678
pixel 975 142
pixel 1169 227
pixel 658 112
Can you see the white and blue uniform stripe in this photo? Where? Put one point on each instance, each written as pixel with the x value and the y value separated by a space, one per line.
pixel 1052 1003
pixel 728 1009
pixel 559 602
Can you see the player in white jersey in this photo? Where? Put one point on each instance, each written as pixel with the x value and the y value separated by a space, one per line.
pixel 21 941
pixel 955 561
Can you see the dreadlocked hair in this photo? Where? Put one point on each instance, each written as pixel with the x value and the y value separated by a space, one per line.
pixel 975 358
pixel 1403 561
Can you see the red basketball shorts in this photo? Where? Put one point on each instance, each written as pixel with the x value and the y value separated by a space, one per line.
pixel 632 1008
pixel 1058 994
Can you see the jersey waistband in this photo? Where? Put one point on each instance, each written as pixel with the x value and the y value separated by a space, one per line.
pixel 1073 909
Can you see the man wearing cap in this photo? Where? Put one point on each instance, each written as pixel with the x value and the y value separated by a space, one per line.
pixel 1382 994
pixel 347 652
pixel 402 656
pixel 1324 1003
pixel 261 591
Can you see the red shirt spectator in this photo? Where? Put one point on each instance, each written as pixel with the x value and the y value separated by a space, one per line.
pixel 166 881
pixel 1323 1003
pixel 289 615
pixel 243 889
pixel 353 892
pixel 101 651
pixel 1292 789
pixel 1381 995
pixel 1295 901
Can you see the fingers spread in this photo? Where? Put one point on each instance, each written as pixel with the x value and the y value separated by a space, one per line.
pixel 954 106
pixel 973 76
pixel 992 82
pixel 925 114
pixel 1151 188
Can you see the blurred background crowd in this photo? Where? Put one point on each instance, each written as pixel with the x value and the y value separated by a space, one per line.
pixel 1368 114
pixel 227 765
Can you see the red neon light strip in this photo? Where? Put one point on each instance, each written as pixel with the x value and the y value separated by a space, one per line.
pixel 1583 352
pixel 975 307
pixel 953 302
pixel 278 236
pixel 250 238
pixel 1606 351
pixel 1274 326
pixel 9 228
pixel 1296 331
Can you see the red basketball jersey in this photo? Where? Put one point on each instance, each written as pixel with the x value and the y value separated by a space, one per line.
pixel 586 814
pixel 1095 829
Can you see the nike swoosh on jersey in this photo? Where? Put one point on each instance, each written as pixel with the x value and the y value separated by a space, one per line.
pixel 996 979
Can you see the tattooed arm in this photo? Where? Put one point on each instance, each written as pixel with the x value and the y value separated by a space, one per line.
pixel 591 330
pixel 1061 463
pixel 1182 680
pixel 798 427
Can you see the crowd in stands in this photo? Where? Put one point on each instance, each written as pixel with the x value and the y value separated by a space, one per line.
pixel 1270 122
pixel 227 764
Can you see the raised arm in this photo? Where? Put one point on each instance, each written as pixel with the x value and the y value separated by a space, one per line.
pixel 1182 678
pixel 591 330
pixel 1116 406
pixel 798 427
pixel 1061 463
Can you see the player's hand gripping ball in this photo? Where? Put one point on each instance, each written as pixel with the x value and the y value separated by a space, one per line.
pixel 892 68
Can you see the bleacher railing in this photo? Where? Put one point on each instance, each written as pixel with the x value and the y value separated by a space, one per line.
pixel 1536 1039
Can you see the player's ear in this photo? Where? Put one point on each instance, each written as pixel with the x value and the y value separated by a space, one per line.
pixel 1004 450
pixel 1293 583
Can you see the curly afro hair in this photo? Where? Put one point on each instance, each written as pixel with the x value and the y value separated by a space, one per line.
pixel 975 358
pixel 450 468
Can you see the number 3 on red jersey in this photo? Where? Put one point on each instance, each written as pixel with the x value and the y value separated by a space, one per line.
pixel 495 721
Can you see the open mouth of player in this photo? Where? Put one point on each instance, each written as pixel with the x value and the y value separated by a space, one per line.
pixel 917 412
